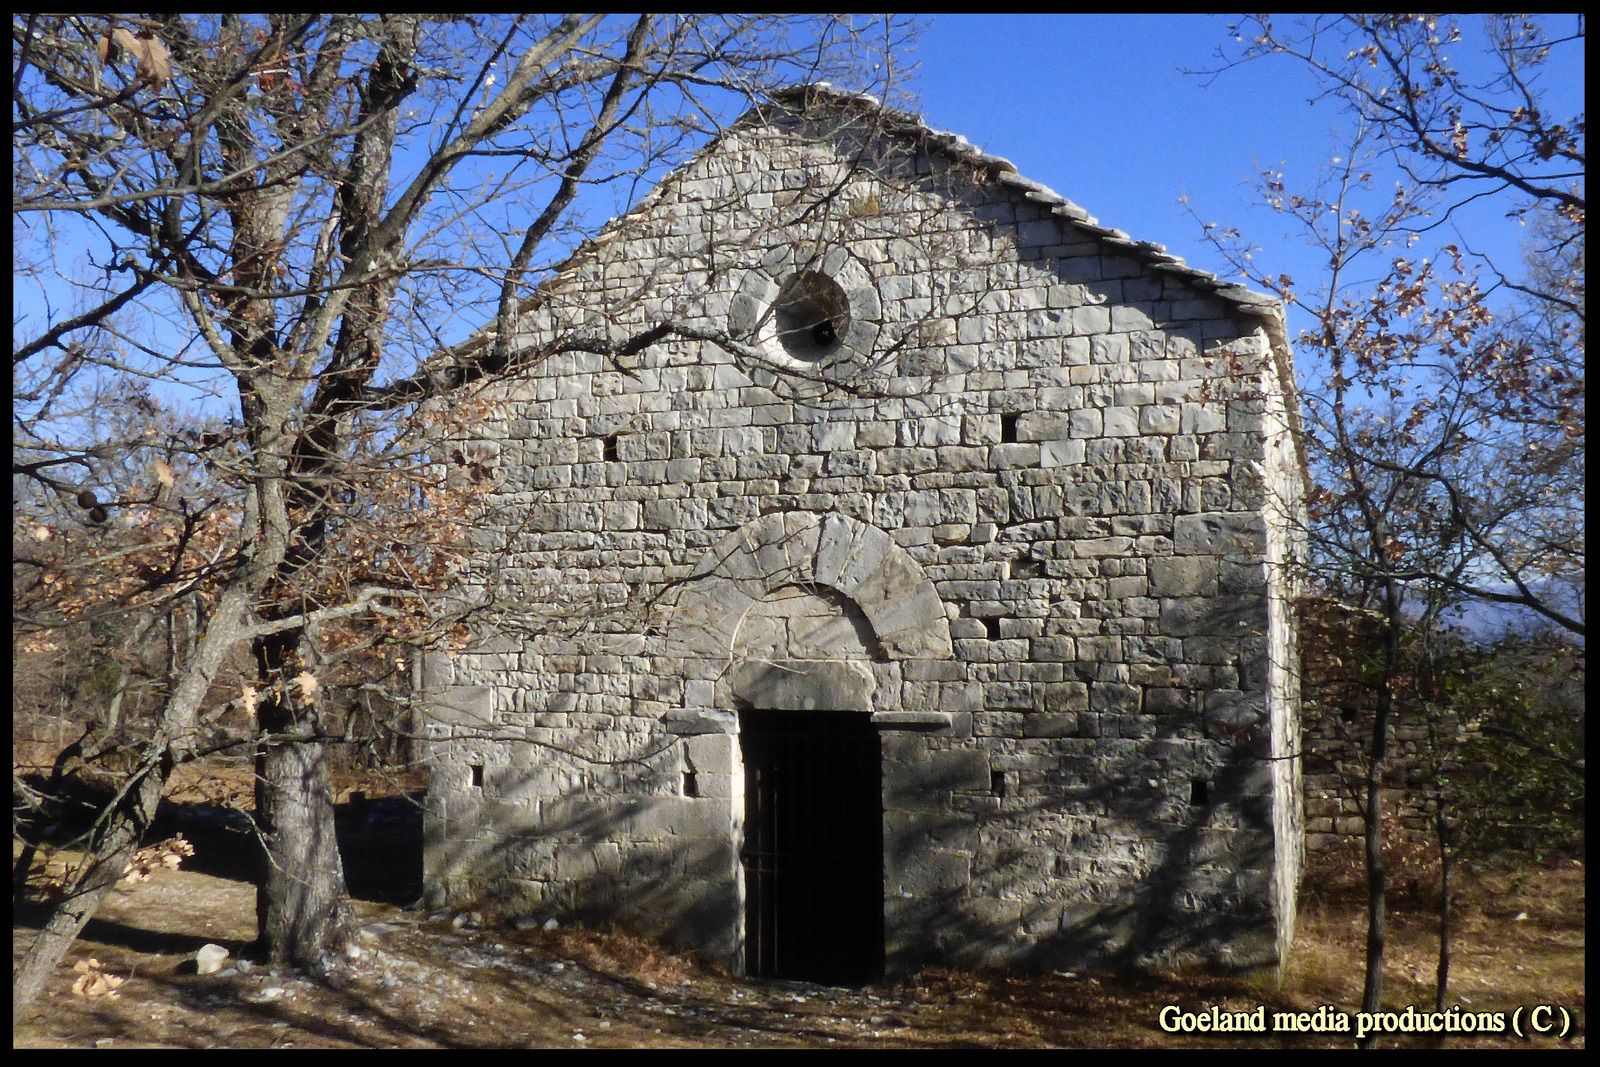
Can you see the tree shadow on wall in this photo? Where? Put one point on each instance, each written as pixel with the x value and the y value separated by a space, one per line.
pixel 1123 853
pixel 1159 871
pixel 657 864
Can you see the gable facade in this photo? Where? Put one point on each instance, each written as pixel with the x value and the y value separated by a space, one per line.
pixel 928 453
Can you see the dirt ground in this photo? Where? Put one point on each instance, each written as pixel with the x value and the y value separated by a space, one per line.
pixel 439 980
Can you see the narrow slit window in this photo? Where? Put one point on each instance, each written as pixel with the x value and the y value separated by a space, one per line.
pixel 608 448
pixel 997 783
pixel 991 627
pixel 1008 429
pixel 691 784
pixel 477 775
pixel 1199 793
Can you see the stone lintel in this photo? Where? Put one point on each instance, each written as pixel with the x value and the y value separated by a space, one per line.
pixel 913 720
pixel 803 685
pixel 689 721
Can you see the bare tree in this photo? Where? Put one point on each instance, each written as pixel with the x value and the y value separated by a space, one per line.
pixel 1442 390
pixel 294 215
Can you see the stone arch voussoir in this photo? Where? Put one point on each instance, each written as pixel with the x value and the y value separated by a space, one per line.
pixel 855 558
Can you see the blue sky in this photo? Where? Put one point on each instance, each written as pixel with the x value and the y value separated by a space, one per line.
pixel 1098 108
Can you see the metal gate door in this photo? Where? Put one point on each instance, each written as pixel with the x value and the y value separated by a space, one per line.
pixel 813 846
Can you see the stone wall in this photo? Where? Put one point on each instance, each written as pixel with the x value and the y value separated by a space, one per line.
pixel 1018 508
pixel 1336 743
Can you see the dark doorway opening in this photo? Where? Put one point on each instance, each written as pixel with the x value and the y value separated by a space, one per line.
pixel 813 846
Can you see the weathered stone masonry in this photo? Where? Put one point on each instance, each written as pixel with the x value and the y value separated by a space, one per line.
pixel 1022 499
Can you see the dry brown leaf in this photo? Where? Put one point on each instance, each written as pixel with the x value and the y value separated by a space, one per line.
pixel 169 853
pixel 150 56
pixel 93 982
pixel 164 474
pixel 307 683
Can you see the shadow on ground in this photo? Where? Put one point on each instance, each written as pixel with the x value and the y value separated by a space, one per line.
pixel 380 838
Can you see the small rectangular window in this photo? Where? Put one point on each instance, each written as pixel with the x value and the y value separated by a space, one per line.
pixel 1199 793
pixel 608 448
pixel 477 775
pixel 1008 429
pixel 691 784
pixel 1027 568
pixel 991 627
pixel 997 783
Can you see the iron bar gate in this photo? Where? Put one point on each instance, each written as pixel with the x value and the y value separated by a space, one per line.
pixel 813 846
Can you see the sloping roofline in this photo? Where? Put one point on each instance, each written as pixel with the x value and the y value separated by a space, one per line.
pixel 1268 309
pixel 1261 306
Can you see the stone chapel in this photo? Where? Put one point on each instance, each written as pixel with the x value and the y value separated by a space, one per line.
pixel 887 565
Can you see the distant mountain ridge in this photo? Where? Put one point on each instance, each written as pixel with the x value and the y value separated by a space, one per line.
pixel 1488 621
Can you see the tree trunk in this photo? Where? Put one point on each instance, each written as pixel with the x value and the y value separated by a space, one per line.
pixel 302 909
pixel 110 854
pixel 1377 918
pixel 1377 874
pixel 127 822
pixel 1441 984
pixel 302 906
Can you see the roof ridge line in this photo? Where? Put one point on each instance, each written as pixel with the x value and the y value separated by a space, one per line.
pixel 1249 300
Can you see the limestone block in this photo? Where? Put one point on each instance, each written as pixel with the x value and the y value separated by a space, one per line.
pixel 1159 419
pixel 464 705
pixel 913 720
pixel 703 622
pixel 689 721
pixel 1166 701
pixel 1059 697
pixel 877 585
pixel 931 872
pixel 1242 577
pixel 1219 533
pixel 1043 425
pixel 803 685
pixel 437 671
pixel 915 778
pixel 1183 576
pixel 1006 457
pixel 1120 421
pixel 1053 649
pixel 846 547
pixel 1235 708
pixel 1048 724
pixel 913 620
pixel 1091 320
pixel 1213 615
pixel 951 697
pixel 1061 453
pixel 711 754
pixel 1114 698
pixel 658 817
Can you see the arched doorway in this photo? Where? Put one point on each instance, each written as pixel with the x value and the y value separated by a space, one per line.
pixel 812 849
pixel 792 635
